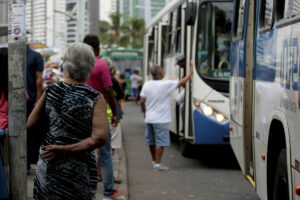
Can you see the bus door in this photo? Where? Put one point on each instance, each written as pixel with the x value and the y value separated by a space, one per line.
pixel 190 13
pixel 241 85
pixel 210 81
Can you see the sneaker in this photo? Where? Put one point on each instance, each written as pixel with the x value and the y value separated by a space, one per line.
pixel 160 167
pixel 114 196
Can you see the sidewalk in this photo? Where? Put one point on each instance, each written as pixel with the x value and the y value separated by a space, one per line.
pixel 120 170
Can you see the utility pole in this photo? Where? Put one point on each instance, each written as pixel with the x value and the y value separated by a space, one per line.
pixel 17 98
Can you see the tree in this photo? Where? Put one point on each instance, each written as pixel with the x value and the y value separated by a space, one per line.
pixel 135 30
pixel 117 34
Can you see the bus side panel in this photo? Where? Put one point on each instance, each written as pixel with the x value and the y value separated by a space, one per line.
pixel 267 95
pixel 296 175
pixel 294 46
pixel 237 143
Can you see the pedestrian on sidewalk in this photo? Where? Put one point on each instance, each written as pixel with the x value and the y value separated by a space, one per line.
pixel 77 122
pixel 135 82
pixel 155 104
pixel 116 133
pixel 4 188
pixel 100 80
pixel 34 86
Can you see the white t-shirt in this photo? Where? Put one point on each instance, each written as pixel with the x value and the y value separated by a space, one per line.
pixel 135 80
pixel 157 94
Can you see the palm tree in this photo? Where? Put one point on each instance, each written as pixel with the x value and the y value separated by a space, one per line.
pixel 135 30
pixel 128 34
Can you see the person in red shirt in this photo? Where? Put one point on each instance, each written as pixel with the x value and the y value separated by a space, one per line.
pixel 4 89
pixel 4 192
pixel 100 80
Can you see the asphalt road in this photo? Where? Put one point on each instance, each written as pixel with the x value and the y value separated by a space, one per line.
pixel 206 176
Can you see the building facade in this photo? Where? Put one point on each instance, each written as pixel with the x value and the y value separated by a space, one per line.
pixel 82 19
pixel 3 21
pixel 36 21
pixel 56 23
pixel 145 9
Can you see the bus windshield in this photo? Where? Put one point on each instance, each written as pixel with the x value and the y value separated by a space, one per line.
pixel 213 43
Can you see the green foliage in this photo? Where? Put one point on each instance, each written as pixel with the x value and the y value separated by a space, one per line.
pixel 128 34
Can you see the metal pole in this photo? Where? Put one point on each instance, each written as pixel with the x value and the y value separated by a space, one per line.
pixel 17 99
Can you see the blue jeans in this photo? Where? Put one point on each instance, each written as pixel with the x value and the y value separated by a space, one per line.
pixel 107 171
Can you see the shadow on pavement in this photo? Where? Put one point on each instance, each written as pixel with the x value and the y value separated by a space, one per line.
pixel 211 156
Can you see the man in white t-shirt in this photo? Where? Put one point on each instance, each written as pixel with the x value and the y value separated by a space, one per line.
pixel 135 81
pixel 155 103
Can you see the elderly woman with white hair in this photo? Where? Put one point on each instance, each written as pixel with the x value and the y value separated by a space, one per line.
pixel 77 121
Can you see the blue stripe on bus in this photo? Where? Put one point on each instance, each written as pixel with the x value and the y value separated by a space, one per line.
pixel 208 131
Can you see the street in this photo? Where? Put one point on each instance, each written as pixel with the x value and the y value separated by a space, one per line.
pixel 187 178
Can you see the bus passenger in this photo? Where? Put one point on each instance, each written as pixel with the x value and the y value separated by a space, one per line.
pixel 155 104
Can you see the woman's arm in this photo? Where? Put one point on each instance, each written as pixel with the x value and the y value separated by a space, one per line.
pixel 98 137
pixel 37 113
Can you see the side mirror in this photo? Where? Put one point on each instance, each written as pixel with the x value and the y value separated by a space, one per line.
pixel 190 13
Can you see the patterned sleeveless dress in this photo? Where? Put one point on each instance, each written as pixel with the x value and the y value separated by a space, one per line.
pixel 69 108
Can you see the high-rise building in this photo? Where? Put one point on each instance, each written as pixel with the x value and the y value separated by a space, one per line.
pixel 82 19
pixel 61 22
pixel 36 20
pixel 56 23
pixel 46 22
pixel 3 21
pixel 145 9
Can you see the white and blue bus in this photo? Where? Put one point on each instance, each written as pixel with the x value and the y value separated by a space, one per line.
pixel 201 31
pixel 265 96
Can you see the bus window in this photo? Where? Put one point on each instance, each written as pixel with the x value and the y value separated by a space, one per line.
pixel 280 5
pixel 266 10
pixel 213 45
pixel 178 31
pixel 151 51
pixel 169 43
pixel 239 19
pixel 163 43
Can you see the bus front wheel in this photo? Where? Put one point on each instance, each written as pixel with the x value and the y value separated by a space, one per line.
pixel 281 183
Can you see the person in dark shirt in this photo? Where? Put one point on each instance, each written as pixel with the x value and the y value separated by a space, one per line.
pixel 34 71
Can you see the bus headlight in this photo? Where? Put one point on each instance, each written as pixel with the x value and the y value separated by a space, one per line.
pixel 207 110
pixel 220 117
pixel 210 112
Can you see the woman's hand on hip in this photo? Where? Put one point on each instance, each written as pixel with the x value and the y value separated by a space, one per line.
pixel 52 152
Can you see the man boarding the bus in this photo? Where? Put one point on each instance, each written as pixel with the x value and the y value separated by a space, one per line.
pixel 155 104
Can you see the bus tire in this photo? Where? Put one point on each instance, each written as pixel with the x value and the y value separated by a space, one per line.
pixel 281 183
pixel 185 148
